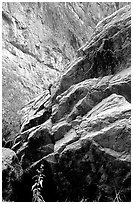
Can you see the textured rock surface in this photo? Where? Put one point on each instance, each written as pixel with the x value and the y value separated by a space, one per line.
pixel 39 39
pixel 94 172
pixel 107 52
pixel 82 132
pixel 103 123
pixel 82 97
pixel 39 108
pixel 11 174
pixel 34 144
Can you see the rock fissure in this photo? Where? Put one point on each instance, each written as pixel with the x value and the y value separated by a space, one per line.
pixel 78 127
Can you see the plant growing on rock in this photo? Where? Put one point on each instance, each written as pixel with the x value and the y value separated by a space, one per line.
pixel 38 185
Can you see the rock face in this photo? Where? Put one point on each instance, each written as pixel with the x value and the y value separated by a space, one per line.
pixel 97 158
pixel 39 40
pixel 82 132
pixel 105 53
pixel 11 174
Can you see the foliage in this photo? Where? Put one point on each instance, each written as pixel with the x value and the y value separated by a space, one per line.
pixel 38 185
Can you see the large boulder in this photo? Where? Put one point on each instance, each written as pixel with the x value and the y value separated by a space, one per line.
pixel 11 174
pixel 95 173
pixel 105 122
pixel 98 157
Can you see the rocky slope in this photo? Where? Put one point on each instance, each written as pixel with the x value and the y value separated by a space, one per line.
pixel 11 174
pixel 81 131
pixel 39 40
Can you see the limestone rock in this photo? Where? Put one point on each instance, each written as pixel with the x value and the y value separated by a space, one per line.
pixel 36 112
pixel 108 124
pixel 82 132
pixel 11 174
pixel 37 144
pixel 39 39
pixel 60 129
pixel 108 51
pixel 82 97
pixel 100 157
pixel 95 172
pixel 70 137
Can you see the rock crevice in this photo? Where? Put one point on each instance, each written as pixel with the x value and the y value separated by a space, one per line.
pixel 81 130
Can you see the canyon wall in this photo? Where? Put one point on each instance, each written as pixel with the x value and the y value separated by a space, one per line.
pixel 39 41
pixel 80 128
